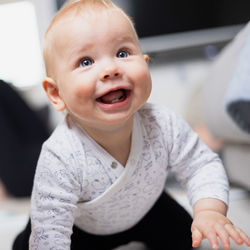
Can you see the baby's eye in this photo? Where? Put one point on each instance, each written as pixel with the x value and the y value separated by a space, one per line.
pixel 122 54
pixel 86 62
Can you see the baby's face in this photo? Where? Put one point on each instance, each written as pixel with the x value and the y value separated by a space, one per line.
pixel 101 74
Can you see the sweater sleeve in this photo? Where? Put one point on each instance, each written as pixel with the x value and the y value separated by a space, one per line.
pixel 196 167
pixel 53 203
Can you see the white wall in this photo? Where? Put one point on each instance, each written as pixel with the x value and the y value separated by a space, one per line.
pixel 22 25
pixel 45 10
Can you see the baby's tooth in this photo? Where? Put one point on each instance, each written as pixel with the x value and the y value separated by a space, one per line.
pixel 115 100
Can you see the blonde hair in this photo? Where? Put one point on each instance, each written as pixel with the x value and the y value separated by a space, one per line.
pixel 73 8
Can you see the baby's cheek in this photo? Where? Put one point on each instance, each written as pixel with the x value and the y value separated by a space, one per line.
pixel 142 74
pixel 84 91
pixel 147 81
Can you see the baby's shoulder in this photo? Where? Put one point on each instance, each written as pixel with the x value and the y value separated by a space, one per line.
pixel 62 153
pixel 64 138
pixel 59 136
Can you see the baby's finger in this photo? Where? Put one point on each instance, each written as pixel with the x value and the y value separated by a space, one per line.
pixel 212 237
pixel 243 236
pixel 196 237
pixel 223 235
pixel 234 234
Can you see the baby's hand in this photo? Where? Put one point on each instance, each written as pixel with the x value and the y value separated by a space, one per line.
pixel 212 224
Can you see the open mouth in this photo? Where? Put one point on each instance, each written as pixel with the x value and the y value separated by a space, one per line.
pixel 115 96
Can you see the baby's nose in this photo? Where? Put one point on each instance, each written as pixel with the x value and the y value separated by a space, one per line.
pixel 110 72
pixel 106 76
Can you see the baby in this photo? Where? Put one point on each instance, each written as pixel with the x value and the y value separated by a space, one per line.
pixel 101 175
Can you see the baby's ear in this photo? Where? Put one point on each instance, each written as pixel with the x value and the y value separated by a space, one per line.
pixel 53 94
pixel 146 57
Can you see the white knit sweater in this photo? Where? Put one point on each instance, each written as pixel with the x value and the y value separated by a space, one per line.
pixel 78 182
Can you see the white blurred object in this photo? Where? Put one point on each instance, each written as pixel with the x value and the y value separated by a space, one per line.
pixel 20 53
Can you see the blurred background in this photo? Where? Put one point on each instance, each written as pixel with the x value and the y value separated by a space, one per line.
pixel 187 41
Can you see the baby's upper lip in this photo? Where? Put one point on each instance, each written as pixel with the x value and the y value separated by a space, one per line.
pixel 112 89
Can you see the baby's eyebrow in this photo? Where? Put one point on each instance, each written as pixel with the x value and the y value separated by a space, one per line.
pixel 80 49
pixel 126 39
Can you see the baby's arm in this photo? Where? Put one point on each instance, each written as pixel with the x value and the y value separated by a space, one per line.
pixel 202 173
pixel 210 222
pixel 53 203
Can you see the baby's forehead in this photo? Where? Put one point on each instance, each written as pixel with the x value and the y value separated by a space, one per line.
pixel 87 12
pixel 87 15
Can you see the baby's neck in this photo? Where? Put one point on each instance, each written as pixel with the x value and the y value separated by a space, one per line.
pixel 120 150
pixel 117 143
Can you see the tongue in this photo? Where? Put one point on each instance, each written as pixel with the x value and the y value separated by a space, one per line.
pixel 113 96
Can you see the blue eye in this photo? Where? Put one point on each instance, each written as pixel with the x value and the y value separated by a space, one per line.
pixel 86 62
pixel 122 54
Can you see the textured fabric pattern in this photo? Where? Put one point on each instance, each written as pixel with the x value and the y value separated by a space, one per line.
pixel 78 182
